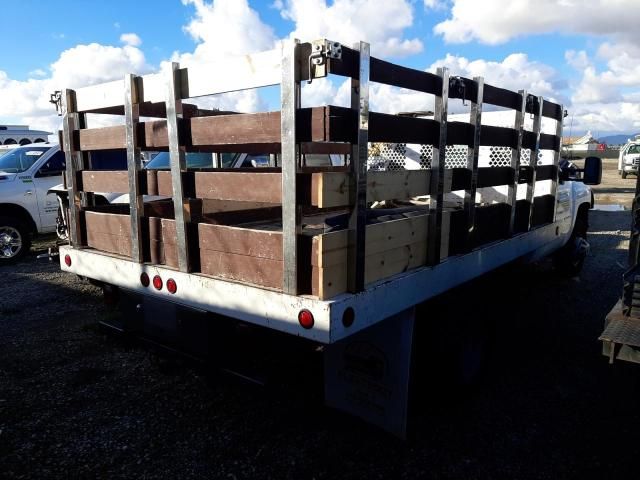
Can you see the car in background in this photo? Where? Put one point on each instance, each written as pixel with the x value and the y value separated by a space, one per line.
pixel 26 207
pixel 629 158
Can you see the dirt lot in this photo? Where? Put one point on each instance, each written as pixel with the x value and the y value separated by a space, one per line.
pixel 77 402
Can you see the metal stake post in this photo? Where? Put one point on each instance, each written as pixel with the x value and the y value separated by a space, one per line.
pixel 472 163
pixel 132 100
pixel 533 161
pixel 291 214
pixel 178 164
pixel 74 161
pixel 556 162
pixel 438 164
pixel 359 156
pixel 516 154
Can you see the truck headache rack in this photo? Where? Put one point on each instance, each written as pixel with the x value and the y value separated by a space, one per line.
pixel 314 232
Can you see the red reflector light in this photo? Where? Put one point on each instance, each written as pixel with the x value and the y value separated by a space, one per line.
pixel 144 279
pixel 67 260
pixel 157 282
pixel 305 317
pixel 172 286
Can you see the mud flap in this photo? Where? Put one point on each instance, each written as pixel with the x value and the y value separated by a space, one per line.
pixel 367 374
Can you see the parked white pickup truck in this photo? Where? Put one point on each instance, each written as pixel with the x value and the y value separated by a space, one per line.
pixel 26 208
pixel 629 158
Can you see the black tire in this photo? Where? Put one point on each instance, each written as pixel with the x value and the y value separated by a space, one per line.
pixel 624 175
pixel 569 260
pixel 13 231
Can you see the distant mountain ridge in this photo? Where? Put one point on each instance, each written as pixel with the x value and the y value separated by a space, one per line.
pixel 617 139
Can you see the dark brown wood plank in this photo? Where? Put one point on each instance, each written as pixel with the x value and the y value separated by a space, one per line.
pixel 116 181
pixel 498 136
pixel 501 97
pixel 153 135
pixel 104 138
pixel 108 232
pixel 552 110
pixel 386 72
pixel 238 186
pixel 493 176
pixel 399 129
pixel 549 142
pixel 242 268
pixel 241 241
pixel 460 133
pixel 528 140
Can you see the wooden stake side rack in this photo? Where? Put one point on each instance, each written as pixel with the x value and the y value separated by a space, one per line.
pixel 293 228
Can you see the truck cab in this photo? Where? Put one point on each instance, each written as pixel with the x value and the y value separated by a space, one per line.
pixel 26 208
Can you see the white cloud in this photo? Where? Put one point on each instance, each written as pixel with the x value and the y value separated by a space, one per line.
pixel 604 117
pixel 494 21
pixel 515 72
pixel 606 99
pixel 38 72
pixel 435 4
pixel 28 101
pixel 227 27
pixel 131 39
pixel 224 29
pixel 379 22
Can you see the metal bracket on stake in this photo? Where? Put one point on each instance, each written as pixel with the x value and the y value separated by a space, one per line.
pixel 178 164
pixel 132 100
pixel 438 164
pixel 472 163
pixel 359 155
pixel 556 162
pixel 291 214
pixel 533 160
pixel 321 51
pixel 516 154
pixel 71 123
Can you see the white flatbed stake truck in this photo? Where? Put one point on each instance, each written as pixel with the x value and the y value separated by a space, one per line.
pixel 349 251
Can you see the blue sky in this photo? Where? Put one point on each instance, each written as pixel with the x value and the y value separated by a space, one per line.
pixel 582 53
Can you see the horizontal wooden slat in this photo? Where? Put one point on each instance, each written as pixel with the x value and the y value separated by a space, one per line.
pixel 116 181
pixel 240 186
pixel 242 268
pixel 331 248
pixel 241 241
pixel 493 136
pixel 543 172
pixel 386 72
pixel 104 138
pixel 331 189
pixel 552 110
pixel 549 142
pixel 460 133
pixel 501 97
pixel 400 129
pixel 487 177
pixel 327 282
pixel 108 232
pixel 528 140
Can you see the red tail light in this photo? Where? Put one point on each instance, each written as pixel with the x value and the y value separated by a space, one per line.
pixel 305 318
pixel 157 282
pixel 172 286
pixel 67 260
pixel 144 279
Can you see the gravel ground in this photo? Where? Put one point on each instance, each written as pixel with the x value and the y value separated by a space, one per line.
pixel 76 402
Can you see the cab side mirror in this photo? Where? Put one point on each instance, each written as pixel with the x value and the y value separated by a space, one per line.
pixel 592 174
